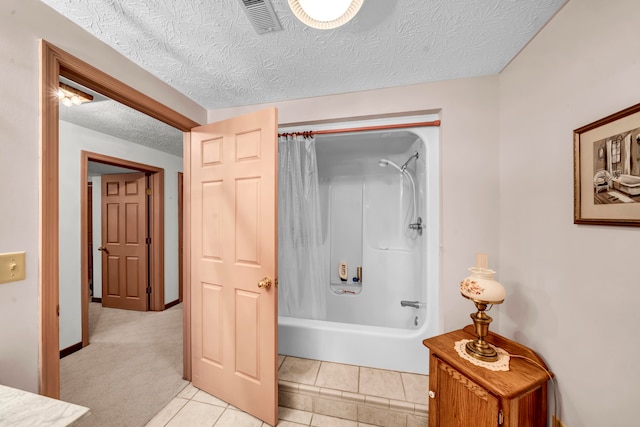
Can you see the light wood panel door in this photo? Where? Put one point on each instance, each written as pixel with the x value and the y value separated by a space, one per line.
pixel 124 241
pixel 233 248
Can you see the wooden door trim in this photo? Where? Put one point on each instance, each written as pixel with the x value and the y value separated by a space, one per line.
pixel 180 235
pixel 186 259
pixel 84 253
pixel 157 229
pixel 157 242
pixel 116 161
pixel 55 62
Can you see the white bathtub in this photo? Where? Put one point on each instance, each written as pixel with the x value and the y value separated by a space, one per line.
pixel 372 346
pixel 629 184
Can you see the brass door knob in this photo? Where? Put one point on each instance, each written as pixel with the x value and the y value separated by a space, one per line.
pixel 265 283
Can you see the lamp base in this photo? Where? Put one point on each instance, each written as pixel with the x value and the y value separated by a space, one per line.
pixel 479 348
pixel 481 351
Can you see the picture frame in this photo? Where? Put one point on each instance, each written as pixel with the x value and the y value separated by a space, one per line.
pixel 606 165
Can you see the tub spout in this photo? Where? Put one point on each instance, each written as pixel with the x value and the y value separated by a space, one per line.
pixel 414 304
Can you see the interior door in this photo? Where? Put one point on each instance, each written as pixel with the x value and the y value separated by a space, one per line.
pixel 124 244
pixel 234 315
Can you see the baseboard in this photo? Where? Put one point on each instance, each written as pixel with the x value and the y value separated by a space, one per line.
pixel 171 304
pixel 71 349
pixel 95 299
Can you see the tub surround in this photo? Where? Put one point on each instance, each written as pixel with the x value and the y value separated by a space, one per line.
pixel 366 212
pixel 24 408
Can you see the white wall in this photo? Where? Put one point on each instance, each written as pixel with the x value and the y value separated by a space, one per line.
pixel 22 24
pixel 74 139
pixel 571 289
pixel 469 166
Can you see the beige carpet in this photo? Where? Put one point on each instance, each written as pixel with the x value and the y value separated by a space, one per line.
pixel 131 369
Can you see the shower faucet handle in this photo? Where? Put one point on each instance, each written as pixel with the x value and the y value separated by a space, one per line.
pixel 417 226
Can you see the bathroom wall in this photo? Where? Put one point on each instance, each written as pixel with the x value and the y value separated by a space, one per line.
pixel 343 210
pixel 367 208
pixel 571 289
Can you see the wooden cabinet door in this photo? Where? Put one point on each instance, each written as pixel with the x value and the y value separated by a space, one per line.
pixel 458 401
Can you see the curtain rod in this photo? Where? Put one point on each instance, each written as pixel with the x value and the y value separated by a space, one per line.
pixel 360 129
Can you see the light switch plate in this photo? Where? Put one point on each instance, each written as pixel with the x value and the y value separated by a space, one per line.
pixel 12 267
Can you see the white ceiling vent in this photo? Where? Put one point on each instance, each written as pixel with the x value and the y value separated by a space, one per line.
pixel 261 15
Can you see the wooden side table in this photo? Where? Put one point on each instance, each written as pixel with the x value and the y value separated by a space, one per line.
pixel 463 394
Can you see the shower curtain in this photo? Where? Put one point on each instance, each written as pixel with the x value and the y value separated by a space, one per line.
pixel 302 273
pixel 627 155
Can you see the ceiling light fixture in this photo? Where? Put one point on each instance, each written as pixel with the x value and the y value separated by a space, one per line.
pixel 69 96
pixel 325 14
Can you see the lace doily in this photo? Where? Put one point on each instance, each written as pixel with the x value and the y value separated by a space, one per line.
pixel 502 364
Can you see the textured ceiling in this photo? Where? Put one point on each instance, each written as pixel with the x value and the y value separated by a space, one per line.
pixel 208 50
pixel 112 118
pixel 118 120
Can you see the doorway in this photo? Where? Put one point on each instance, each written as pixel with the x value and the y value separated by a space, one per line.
pixel 155 223
pixel 54 64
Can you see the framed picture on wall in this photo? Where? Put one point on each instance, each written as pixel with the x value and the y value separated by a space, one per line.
pixel 606 166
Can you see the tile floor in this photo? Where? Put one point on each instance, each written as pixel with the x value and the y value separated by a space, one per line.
pixel 315 393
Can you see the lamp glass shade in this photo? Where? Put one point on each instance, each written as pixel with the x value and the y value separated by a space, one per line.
pixel 325 10
pixel 325 14
pixel 481 287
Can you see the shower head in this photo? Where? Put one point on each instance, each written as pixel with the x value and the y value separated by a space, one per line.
pixel 384 162
pixel 404 172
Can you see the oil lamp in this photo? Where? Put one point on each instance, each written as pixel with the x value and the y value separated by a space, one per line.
pixel 481 288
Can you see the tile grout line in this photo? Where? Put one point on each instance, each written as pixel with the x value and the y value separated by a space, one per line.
pixel 317 374
pixel 177 412
pixel 404 391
